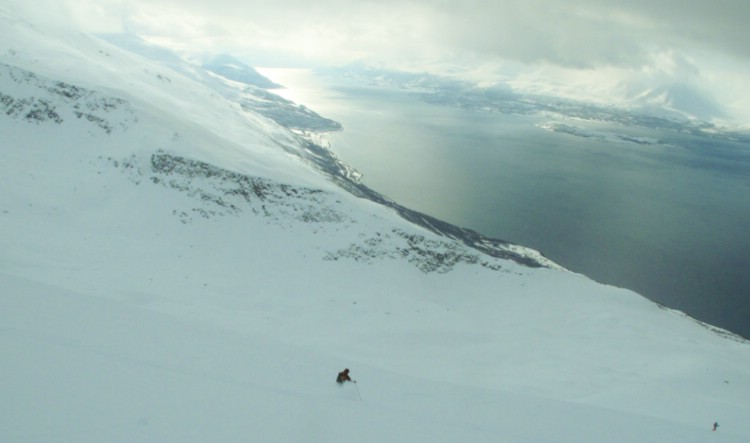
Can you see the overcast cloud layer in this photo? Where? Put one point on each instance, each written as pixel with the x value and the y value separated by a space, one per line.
pixel 705 42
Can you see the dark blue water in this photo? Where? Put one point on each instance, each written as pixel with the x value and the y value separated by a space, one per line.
pixel 669 220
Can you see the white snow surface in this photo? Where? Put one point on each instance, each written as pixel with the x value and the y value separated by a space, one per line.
pixel 141 304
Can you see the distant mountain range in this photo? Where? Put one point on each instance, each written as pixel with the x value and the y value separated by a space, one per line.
pixel 676 107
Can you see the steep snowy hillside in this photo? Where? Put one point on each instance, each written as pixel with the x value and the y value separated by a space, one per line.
pixel 176 266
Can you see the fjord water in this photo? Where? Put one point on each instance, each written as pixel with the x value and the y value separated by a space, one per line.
pixel 668 220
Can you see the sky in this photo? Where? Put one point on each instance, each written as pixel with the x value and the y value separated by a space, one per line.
pixel 578 45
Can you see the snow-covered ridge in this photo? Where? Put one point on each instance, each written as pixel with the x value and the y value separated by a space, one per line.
pixel 233 80
pixel 233 69
pixel 218 192
pixel 60 101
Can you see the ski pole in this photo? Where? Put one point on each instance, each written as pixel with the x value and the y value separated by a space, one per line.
pixel 357 389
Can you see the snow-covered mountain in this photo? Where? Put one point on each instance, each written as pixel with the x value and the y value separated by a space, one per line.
pixel 231 68
pixel 674 106
pixel 679 98
pixel 179 263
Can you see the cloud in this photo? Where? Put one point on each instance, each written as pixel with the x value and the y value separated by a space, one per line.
pixel 576 33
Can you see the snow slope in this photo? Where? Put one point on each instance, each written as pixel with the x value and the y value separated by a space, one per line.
pixel 176 267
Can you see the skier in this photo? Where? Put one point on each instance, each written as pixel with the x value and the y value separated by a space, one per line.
pixel 344 376
pixel 716 425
